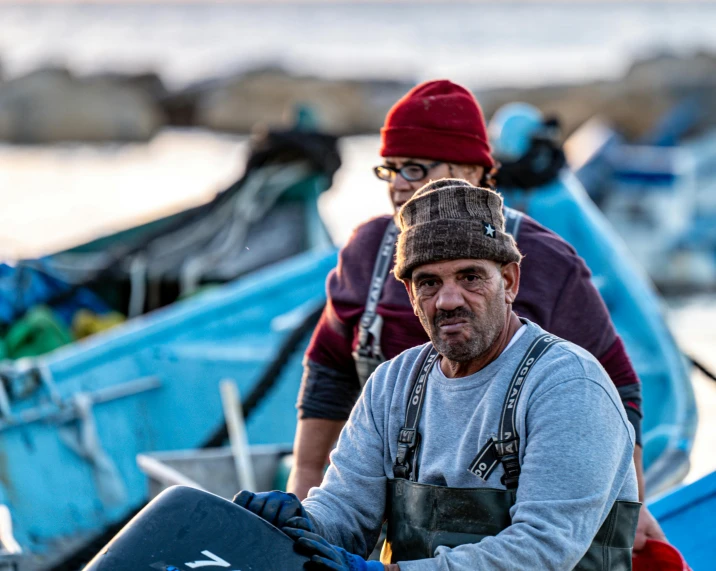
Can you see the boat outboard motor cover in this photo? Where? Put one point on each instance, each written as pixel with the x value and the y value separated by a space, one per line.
pixel 184 529
pixel 526 145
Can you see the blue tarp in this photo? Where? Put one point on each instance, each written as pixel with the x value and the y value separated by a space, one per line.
pixel 23 287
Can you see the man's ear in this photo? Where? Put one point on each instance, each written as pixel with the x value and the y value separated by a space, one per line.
pixel 408 286
pixel 511 278
pixel 471 173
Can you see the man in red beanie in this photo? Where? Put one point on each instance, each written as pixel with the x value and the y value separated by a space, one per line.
pixel 437 130
pixel 438 120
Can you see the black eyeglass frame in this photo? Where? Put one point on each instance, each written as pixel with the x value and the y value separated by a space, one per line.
pixel 425 170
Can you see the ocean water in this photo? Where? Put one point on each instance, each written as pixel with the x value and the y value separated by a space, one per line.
pixel 480 43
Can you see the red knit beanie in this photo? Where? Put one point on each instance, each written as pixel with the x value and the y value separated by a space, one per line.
pixel 437 120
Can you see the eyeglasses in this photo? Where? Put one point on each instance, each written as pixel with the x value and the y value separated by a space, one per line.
pixel 412 172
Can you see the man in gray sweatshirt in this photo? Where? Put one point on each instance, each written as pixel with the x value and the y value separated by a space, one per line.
pixel 495 446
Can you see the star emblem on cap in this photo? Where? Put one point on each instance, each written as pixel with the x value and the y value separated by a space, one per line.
pixel 489 230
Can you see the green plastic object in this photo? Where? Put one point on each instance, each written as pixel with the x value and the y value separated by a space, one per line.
pixel 36 333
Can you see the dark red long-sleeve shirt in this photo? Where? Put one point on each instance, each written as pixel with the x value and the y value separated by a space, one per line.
pixel 555 292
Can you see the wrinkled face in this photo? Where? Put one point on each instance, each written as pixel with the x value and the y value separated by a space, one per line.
pixel 462 305
pixel 401 189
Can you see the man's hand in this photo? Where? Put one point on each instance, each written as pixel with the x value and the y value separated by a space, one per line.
pixel 324 556
pixel 647 528
pixel 275 507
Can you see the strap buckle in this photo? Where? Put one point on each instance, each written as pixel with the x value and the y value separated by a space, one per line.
pixel 407 441
pixel 401 468
pixel 511 477
pixel 408 436
pixel 368 354
pixel 401 471
pixel 366 363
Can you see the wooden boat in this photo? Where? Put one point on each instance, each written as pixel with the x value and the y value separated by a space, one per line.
pixel 687 516
pixel 270 214
pixel 73 421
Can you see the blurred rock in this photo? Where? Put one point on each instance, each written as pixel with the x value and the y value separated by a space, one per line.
pixel 180 107
pixel 634 105
pixel 148 82
pixel 270 98
pixel 669 72
pixel 51 105
pixel 632 112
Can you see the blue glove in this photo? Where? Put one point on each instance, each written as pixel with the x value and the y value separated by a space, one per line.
pixel 324 555
pixel 275 507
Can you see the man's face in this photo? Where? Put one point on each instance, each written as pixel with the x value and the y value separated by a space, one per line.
pixel 463 304
pixel 401 189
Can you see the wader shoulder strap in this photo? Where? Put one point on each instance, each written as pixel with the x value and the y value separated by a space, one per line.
pixel 368 354
pixel 408 437
pixel 513 219
pixel 505 446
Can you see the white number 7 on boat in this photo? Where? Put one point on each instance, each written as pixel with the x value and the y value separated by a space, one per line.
pixel 216 561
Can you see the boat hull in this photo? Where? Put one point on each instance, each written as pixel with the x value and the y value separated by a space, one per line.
pixel 687 518
pixel 68 450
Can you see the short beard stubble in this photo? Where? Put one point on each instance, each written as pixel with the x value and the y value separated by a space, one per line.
pixel 485 329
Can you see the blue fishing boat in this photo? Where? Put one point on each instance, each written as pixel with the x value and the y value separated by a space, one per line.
pixel 686 515
pixel 560 203
pixel 80 416
pixel 269 215
pixel 73 421
pixel 657 193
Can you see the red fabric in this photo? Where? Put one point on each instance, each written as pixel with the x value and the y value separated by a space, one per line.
pixel 658 556
pixel 437 120
pixel 618 364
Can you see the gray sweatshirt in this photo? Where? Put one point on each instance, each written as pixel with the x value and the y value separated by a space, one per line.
pixel 576 448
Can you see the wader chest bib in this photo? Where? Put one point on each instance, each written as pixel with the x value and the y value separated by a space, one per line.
pixel 368 353
pixel 422 517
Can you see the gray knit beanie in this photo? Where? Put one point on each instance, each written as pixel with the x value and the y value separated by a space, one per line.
pixel 450 219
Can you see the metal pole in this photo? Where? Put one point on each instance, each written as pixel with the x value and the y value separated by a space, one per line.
pixel 237 434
